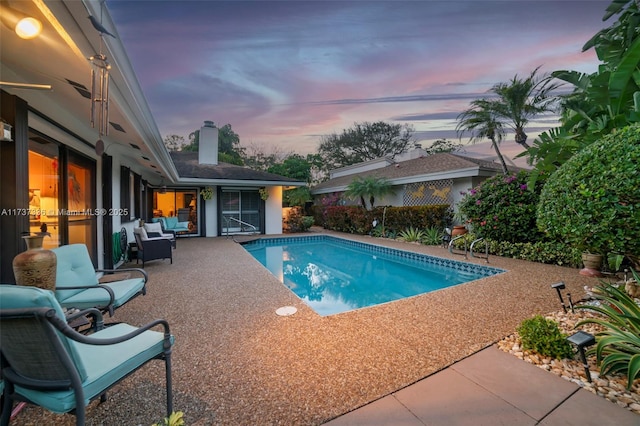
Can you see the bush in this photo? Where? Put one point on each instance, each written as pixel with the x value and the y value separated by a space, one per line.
pixel 592 201
pixel 411 235
pixel 544 337
pixel 357 220
pixel 297 222
pixel 503 208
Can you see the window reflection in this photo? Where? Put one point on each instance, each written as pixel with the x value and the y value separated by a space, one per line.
pixel 44 178
pixel 182 204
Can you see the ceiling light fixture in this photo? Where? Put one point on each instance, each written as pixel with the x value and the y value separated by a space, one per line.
pixel 28 28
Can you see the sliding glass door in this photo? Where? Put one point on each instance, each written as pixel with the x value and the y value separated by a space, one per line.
pixel 241 211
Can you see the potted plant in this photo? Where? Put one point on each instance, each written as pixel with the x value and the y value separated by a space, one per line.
pixel 207 193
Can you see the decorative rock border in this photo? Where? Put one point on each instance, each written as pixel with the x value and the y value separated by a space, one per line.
pixel 611 387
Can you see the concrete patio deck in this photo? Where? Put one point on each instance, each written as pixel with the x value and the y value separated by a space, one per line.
pixel 235 362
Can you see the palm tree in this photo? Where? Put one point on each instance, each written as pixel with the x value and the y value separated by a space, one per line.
pixel 368 186
pixel 481 121
pixel 520 100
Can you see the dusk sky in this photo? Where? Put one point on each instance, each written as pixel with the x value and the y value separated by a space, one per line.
pixel 284 74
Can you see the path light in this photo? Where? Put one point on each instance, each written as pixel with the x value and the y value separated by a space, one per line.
pixel 560 286
pixel 581 340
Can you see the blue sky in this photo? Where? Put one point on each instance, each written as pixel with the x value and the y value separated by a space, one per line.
pixel 284 74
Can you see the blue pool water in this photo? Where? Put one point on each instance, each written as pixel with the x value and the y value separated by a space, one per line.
pixel 334 275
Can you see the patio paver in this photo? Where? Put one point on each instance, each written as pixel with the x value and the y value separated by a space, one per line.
pixel 490 388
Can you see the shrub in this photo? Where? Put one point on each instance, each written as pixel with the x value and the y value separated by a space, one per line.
pixel 592 201
pixel 411 235
pixel 618 346
pixel 432 236
pixel 297 222
pixel 543 336
pixel 356 220
pixel 551 252
pixel 503 208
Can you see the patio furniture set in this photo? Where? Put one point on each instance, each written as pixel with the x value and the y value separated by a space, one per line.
pixel 55 349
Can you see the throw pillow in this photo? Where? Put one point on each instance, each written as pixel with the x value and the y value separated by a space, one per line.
pixel 154 234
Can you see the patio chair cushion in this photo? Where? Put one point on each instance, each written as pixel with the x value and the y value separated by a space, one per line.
pixel 104 365
pixel 154 230
pixel 123 291
pixel 17 297
pixel 74 268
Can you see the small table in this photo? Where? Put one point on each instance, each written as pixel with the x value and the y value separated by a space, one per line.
pixel 133 251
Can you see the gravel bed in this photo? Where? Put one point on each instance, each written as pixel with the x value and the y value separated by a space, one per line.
pixel 611 387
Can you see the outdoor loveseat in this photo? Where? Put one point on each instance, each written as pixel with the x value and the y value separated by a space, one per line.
pixel 171 224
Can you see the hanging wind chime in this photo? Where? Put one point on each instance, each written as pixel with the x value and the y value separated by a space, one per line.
pixel 100 88
pixel 100 93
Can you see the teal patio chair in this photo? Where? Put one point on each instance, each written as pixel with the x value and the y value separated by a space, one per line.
pixel 77 284
pixel 47 363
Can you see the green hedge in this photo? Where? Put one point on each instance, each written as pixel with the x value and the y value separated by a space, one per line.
pixel 356 220
pixel 550 252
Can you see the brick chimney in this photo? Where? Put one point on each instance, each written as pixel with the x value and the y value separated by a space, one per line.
pixel 208 144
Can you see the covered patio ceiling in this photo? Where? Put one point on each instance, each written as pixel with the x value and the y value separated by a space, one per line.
pixel 59 57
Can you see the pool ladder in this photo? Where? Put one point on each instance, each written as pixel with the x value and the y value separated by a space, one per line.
pixel 470 249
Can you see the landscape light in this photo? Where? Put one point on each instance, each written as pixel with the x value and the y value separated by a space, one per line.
pixel 581 340
pixel 560 286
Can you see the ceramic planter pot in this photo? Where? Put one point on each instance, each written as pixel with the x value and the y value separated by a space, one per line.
pixel 592 264
pixel 36 266
pixel 458 230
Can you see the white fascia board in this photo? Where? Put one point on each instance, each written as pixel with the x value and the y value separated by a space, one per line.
pixel 454 174
pixel 329 190
pixel 237 182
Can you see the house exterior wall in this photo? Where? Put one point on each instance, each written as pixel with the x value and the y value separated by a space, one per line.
pixel 211 214
pixel 273 211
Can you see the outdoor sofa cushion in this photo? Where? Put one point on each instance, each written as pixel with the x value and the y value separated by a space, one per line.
pixel 171 224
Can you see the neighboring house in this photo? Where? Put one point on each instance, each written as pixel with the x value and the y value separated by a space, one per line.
pixel 418 178
pixel 83 184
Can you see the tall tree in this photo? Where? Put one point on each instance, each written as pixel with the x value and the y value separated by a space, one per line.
pixel 174 142
pixel 481 120
pixel 522 99
pixel 365 141
pixel 443 145
pixel 229 148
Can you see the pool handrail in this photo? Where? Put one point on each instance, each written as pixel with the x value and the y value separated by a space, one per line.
pixel 227 219
pixel 453 241
pixel 486 250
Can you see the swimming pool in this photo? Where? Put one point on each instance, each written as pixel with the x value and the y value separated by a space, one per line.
pixel 334 275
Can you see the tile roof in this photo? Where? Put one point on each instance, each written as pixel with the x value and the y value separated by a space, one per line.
pixel 187 166
pixel 430 164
